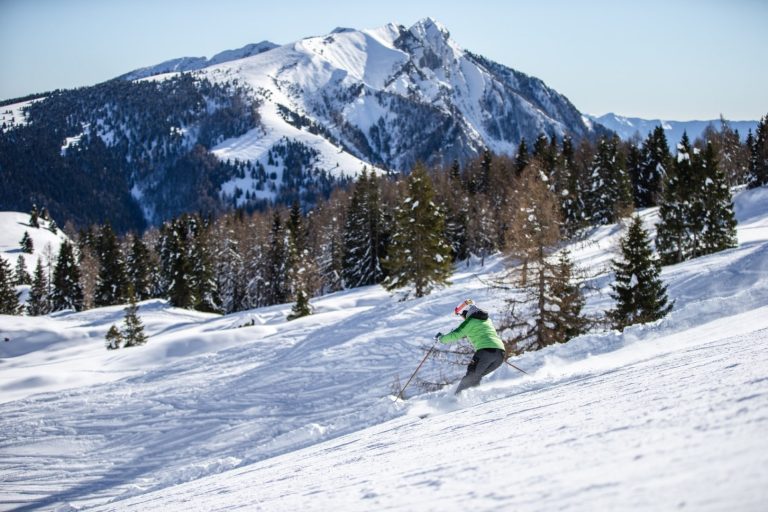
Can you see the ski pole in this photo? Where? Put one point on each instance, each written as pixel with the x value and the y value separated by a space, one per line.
pixel 516 368
pixel 400 395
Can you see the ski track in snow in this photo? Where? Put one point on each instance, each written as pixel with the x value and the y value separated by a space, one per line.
pixel 631 437
pixel 295 415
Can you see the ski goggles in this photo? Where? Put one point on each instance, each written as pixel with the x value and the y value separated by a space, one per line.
pixel 458 309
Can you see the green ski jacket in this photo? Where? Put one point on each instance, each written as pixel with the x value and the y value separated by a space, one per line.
pixel 480 334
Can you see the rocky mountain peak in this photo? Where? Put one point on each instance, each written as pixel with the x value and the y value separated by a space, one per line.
pixel 430 44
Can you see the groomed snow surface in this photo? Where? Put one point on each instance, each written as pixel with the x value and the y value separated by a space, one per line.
pixel 217 414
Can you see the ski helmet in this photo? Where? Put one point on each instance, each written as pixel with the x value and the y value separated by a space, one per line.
pixel 461 308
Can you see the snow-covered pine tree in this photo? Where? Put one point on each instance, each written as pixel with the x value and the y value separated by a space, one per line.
pixel 655 160
pixel 481 228
pixel 112 283
pixel 484 179
pixel 634 167
pixel 697 213
pixel 545 151
pixel 9 299
pixel 140 268
pixel 275 264
pixel 638 290
pixel 26 243
pixel 758 159
pixel 255 241
pixel 572 191
pixel 522 158
pixel 38 302
pixel 203 281
pixel 720 221
pixel 133 330
pixel 363 234
pixel 67 290
pixel 300 267
pixel 229 266
pixel 113 339
pixel 609 196
pixel 21 272
pixel 418 254
pixel 326 233
pixel 566 299
pixel 674 239
pixel 175 263
pixel 732 157
pixel 457 216
pixel 34 217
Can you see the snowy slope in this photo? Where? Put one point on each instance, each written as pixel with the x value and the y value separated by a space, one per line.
pixel 14 115
pixel 295 415
pixel 45 243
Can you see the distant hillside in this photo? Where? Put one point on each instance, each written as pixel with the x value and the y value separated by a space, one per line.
pixel 627 127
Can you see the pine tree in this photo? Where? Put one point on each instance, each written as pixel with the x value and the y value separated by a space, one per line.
pixel 655 161
pixel 21 273
pixel 301 307
pixel 758 160
pixel 481 228
pixel 176 263
pixel 27 246
pixel 38 302
pixel 34 217
pixel 674 240
pixel 522 158
pixel 230 269
pixel 133 332
pixel 696 215
pixel 275 271
pixel 113 339
pixel 609 195
pixel 364 238
pixel 203 281
pixel 728 150
pixel 327 226
pixel 112 283
pixel 485 171
pixel 418 254
pixel 564 315
pixel 140 268
pixel 67 290
pixel 639 292
pixel 9 299
pixel 299 264
pixel 633 164
pixel 457 223
pixel 719 231
pixel 572 191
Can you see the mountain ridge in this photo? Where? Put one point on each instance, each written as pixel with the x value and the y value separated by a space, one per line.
pixel 627 127
pixel 268 123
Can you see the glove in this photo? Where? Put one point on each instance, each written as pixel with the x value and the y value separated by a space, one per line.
pixel 437 336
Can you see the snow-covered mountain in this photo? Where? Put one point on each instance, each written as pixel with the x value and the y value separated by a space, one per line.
pixel 628 127
pixel 186 64
pixel 250 411
pixel 394 95
pixel 279 123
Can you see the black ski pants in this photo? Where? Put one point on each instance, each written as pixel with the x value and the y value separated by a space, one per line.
pixel 483 362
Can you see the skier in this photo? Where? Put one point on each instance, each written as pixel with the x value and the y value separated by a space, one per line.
pixel 478 329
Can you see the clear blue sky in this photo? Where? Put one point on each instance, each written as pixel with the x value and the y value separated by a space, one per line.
pixel 671 59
